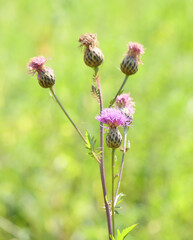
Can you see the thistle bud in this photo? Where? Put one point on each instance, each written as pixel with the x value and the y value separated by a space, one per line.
pixel 131 62
pixel 46 78
pixel 113 138
pixel 93 56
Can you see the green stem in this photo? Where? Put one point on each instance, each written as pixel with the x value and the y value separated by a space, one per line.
pixel 113 180
pixel 120 89
pixel 76 128
pixel 123 156
pixel 73 124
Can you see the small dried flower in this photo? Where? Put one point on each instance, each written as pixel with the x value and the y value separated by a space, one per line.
pixel 130 63
pixel 93 57
pixel 88 40
pixel 45 76
pixel 125 104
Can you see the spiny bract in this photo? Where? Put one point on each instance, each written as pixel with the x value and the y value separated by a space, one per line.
pixel 113 138
pixel 46 78
pixel 93 56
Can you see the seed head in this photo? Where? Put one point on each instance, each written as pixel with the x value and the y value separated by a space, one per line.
pixel 130 63
pixel 93 56
pixel 45 75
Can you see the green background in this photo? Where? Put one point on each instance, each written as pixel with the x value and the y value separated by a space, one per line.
pixel 49 188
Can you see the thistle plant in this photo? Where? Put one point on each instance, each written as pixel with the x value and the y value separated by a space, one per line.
pixel 119 114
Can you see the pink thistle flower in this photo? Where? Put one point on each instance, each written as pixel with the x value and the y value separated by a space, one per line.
pixel 36 64
pixel 136 50
pixel 45 76
pixel 125 104
pixel 113 118
pixel 131 61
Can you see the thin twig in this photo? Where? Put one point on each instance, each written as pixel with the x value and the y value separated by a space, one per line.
pixel 74 125
pixel 120 89
pixel 113 186
pixel 122 163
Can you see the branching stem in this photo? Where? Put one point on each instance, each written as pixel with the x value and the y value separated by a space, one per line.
pixel 102 167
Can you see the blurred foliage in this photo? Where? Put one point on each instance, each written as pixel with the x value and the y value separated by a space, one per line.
pixel 49 187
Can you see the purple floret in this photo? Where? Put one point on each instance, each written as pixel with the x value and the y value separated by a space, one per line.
pixel 36 64
pixel 125 101
pixel 113 118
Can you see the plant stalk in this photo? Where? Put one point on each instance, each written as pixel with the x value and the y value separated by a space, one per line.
pixel 113 189
pixel 76 128
pixel 120 89
pixel 102 167
pixel 122 163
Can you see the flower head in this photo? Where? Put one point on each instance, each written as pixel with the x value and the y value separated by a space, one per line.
pixel 45 75
pixel 88 40
pixel 113 118
pixel 36 64
pixel 124 101
pixel 93 56
pixel 136 50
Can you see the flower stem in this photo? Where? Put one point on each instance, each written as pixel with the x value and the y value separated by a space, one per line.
pixel 120 89
pixel 76 128
pixel 59 103
pixel 123 156
pixel 102 167
pixel 113 180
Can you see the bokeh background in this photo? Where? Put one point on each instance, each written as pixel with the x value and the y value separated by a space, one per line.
pixel 49 188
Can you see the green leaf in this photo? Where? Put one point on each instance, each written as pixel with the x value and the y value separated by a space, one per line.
pixel 106 199
pixel 124 233
pixel 90 145
pixel 116 212
pixel 119 198
pixel 112 238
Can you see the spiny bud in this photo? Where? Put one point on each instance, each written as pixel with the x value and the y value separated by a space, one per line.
pixel 113 138
pixel 130 63
pixel 93 56
pixel 46 78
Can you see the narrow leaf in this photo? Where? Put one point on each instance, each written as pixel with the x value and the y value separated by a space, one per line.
pixel 95 93
pixel 116 212
pixel 112 238
pixel 125 232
